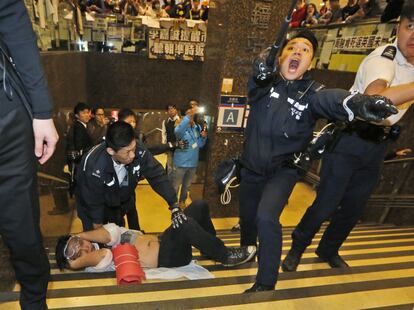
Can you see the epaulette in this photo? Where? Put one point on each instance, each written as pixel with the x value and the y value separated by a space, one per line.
pixel 389 52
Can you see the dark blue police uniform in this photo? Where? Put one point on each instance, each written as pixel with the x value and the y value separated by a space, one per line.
pixel 281 121
pixel 349 174
pixel 101 199
pixel 347 178
pixel 19 210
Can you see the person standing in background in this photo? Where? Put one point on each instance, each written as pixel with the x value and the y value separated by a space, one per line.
pixel 298 15
pixel 97 125
pixel 168 135
pixel 186 160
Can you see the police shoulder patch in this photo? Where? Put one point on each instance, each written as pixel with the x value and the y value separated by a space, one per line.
pixel 389 52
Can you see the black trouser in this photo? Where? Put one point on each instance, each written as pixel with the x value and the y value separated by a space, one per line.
pixel 198 231
pixel 347 178
pixel 111 214
pixel 132 215
pixel 19 209
pixel 262 199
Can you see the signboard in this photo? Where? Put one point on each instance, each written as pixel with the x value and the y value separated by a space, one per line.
pixel 177 43
pixel 231 113
pixel 357 43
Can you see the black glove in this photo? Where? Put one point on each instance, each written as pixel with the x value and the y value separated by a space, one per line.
pixel 177 217
pixel 370 108
pixel 262 73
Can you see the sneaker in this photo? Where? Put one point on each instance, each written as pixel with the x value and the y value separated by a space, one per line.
pixel 239 255
pixel 334 261
pixel 259 288
pixel 291 261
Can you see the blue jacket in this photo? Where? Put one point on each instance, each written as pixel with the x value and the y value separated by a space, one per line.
pixel 188 158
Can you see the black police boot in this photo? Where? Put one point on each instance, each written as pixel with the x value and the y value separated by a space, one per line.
pixel 257 287
pixel 334 261
pixel 292 260
pixel 239 255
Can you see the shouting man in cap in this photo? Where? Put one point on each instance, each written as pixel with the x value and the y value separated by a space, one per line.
pixel 285 105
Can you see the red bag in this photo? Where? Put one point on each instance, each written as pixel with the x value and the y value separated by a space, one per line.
pixel 127 266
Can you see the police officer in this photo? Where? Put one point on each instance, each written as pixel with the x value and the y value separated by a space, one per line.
pixel 109 173
pixel 23 95
pixel 349 174
pixel 284 108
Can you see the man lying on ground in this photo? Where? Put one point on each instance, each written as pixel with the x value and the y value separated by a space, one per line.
pixel 171 249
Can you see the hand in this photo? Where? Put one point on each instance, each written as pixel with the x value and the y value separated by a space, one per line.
pixel 190 112
pixel 261 71
pixel 46 137
pixel 403 152
pixel 177 217
pixel 371 108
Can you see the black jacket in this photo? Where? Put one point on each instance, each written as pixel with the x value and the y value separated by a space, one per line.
pixel 98 187
pixel 96 132
pixel 282 119
pixel 79 138
pixel 17 34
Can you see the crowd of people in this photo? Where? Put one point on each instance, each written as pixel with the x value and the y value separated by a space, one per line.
pixel 183 9
pixel 308 15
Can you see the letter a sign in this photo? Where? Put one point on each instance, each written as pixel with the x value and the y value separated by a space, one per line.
pixel 231 113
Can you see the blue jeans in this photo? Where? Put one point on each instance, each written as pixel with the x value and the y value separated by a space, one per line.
pixel 183 176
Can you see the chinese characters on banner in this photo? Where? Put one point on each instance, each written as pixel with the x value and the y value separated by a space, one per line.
pixel 358 42
pixel 176 43
pixel 231 116
pixel 259 22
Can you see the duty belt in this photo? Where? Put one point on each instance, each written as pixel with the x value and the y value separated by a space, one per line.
pixel 369 132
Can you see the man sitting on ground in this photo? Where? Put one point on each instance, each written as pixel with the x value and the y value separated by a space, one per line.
pixel 171 249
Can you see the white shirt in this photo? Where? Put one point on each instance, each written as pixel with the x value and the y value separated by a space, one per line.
pixel 120 171
pixel 84 124
pixel 164 130
pixel 395 72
